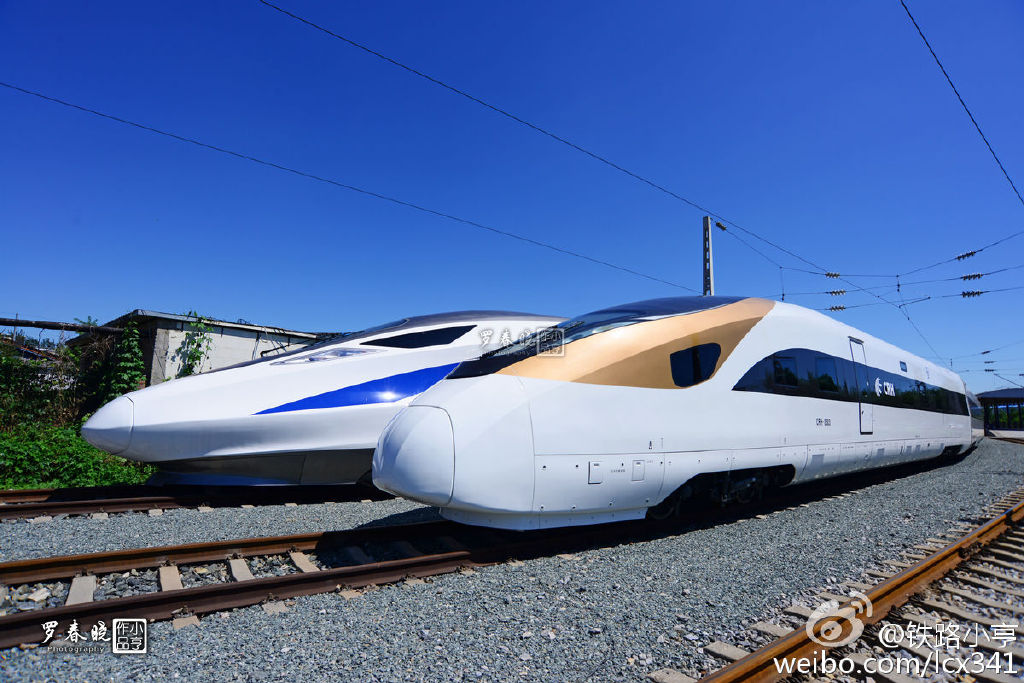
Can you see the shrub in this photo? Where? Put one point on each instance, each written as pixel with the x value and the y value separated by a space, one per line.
pixel 38 455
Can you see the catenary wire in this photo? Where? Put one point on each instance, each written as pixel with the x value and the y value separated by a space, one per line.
pixel 539 129
pixel 985 353
pixel 966 109
pixel 819 269
pixel 962 278
pixel 346 186
pixel 977 127
pixel 1008 380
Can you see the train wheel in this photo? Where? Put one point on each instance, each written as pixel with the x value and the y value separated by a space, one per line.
pixel 666 509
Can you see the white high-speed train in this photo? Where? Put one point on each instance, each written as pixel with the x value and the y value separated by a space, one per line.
pixel 311 416
pixel 643 406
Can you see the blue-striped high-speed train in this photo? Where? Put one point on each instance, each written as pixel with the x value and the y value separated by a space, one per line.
pixel 311 416
pixel 650 405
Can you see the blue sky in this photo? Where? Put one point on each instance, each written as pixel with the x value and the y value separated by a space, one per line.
pixel 825 127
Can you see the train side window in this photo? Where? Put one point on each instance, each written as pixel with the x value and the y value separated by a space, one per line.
pixel 695 364
pixel 907 393
pixel 825 371
pixel 757 378
pixel 420 340
pixel 903 366
pixel 785 371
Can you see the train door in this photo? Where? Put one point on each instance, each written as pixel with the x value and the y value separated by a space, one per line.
pixel 867 413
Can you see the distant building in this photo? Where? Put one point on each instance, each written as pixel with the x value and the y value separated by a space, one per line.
pixel 161 335
pixel 1004 411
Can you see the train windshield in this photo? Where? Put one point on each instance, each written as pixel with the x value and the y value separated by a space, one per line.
pixel 352 336
pixel 290 356
pixel 551 338
pixel 565 332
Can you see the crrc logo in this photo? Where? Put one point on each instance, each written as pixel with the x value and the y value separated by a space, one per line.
pixel 887 388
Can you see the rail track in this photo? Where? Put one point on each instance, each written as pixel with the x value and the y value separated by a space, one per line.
pixel 969 583
pixel 234 573
pixel 316 563
pixel 36 503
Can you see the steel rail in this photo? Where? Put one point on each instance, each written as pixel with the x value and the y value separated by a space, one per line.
pixel 20 504
pixel 25 495
pixel 760 666
pixel 25 627
pixel 68 566
pixel 470 545
pixel 467 547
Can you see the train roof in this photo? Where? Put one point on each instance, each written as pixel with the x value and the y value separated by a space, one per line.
pixel 672 305
pixel 465 316
pixel 1013 393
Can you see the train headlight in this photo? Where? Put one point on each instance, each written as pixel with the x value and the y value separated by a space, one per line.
pixel 327 354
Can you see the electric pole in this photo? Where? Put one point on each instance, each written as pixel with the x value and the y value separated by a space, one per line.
pixel 709 269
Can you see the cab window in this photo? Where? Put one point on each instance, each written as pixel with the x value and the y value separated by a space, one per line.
pixel 695 364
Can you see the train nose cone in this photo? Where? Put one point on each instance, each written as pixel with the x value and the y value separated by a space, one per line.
pixel 110 428
pixel 415 456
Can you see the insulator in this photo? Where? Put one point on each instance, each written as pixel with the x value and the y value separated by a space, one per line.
pixel 837 308
pixel 834 276
pixel 966 254
pixel 718 224
pixel 836 292
pixel 971 293
pixel 972 276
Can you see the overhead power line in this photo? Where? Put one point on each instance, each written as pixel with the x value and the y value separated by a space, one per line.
pixel 346 186
pixel 1006 379
pixel 968 294
pixel 977 127
pixel 537 128
pixel 841 307
pixel 973 293
pixel 819 270
pixel 988 351
pixel 963 104
pixel 965 277
pixel 964 256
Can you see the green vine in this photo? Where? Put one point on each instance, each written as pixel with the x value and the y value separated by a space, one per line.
pixel 125 371
pixel 195 347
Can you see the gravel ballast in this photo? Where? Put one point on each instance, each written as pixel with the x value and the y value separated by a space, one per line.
pixel 614 613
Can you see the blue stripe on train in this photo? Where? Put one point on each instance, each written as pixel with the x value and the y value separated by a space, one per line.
pixel 383 390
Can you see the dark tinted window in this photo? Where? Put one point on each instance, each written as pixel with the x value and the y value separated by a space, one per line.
pixel 694 365
pixel 803 372
pixel 785 371
pixel 825 371
pixel 903 366
pixel 419 340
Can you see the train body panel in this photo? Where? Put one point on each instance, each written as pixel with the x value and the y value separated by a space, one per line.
pixel 643 403
pixel 312 416
pixel 489 416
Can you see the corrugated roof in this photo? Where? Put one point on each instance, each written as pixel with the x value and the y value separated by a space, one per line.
pixel 1015 393
pixel 143 313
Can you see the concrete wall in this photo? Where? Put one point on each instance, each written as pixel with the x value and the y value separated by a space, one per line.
pixel 228 346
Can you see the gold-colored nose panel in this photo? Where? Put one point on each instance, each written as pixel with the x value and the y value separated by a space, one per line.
pixel 638 355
